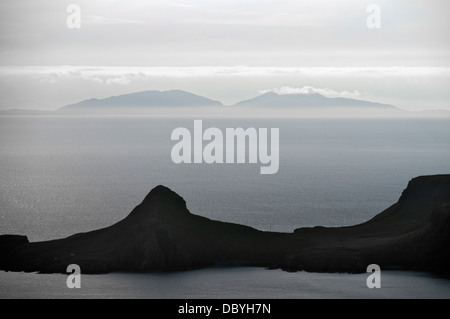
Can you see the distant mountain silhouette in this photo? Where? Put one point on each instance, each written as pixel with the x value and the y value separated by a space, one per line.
pixel 151 98
pixel 178 98
pixel 272 99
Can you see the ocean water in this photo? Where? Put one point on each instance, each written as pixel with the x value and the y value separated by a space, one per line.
pixel 63 175
pixel 226 283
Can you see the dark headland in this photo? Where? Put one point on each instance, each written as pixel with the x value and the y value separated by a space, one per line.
pixel 160 234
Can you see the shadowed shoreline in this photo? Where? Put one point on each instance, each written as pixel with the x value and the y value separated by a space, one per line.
pixel 160 234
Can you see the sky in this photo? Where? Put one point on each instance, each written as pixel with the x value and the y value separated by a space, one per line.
pixel 226 50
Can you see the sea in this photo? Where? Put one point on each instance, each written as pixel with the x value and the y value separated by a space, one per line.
pixel 61 175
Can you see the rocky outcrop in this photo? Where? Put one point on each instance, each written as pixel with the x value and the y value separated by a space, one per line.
pixel 411 234
pixel 161 234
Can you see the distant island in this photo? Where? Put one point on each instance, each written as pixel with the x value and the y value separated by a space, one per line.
pixel 177 102
pixel 160 234
pixel 313 100
pixel 179 98
pixel 151 98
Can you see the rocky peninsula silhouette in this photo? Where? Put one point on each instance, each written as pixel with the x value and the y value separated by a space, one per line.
pixel 160 234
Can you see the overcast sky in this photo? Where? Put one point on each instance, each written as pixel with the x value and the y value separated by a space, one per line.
pixel 226 50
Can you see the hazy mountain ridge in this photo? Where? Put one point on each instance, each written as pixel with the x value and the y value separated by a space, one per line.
pixel 147 101
pixel 179 98
pixel 272 99
pixel 150 98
